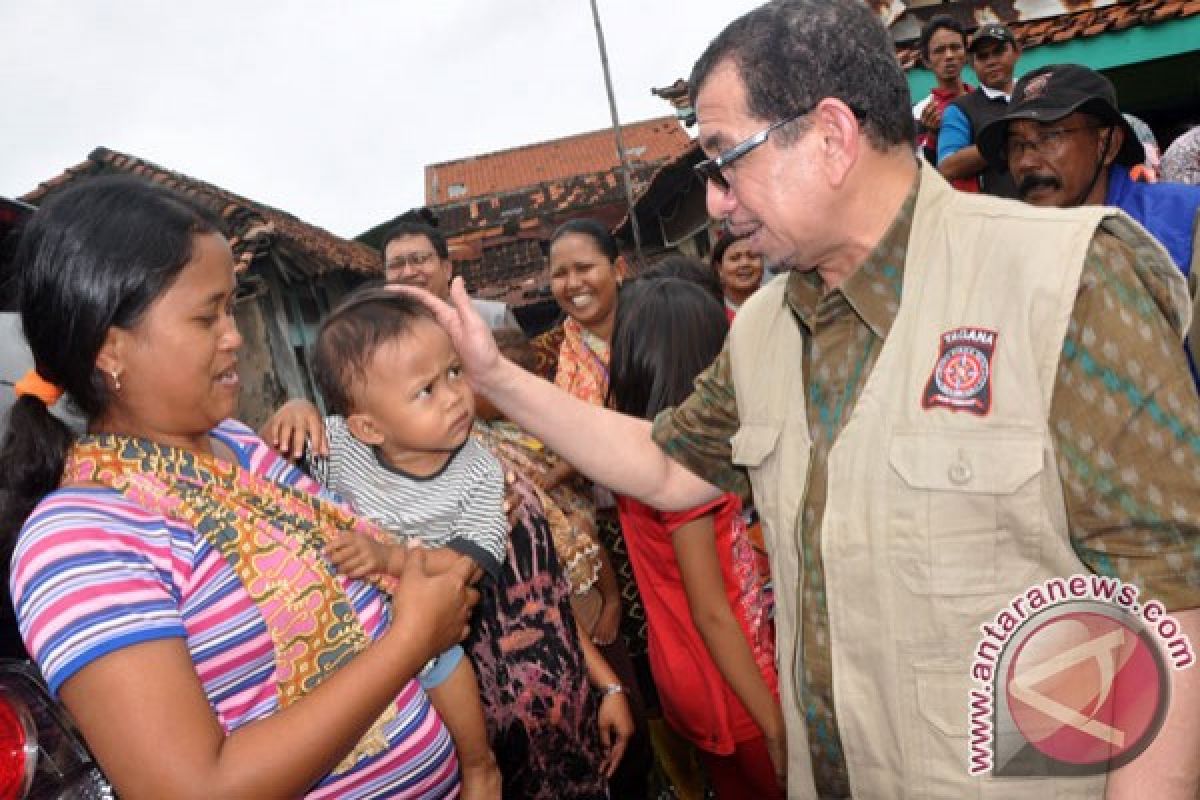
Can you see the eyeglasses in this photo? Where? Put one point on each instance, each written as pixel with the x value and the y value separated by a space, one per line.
pixel 1046 142
pixel 416 259
pixel 711 169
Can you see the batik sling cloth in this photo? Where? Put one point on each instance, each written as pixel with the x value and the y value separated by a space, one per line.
pixel 273 536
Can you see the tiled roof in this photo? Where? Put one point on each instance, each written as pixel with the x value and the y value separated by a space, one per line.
pixel 1080 24
pixel 495 241
pixel 569 196
pixel 254 229
pixel 648 142
pixel 1085 20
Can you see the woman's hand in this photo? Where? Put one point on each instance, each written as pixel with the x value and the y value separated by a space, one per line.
pixel 556 475
pixel 296 422
pixel 616 728
pixel 512 498
pixel 434 608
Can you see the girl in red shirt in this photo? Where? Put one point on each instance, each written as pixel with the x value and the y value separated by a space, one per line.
pixel 711 639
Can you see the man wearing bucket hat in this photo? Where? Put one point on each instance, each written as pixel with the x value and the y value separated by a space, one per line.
pixel 1067 144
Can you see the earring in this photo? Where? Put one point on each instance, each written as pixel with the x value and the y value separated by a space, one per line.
pixel 116 376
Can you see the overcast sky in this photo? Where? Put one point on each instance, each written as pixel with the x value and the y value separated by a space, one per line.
pixel 326 110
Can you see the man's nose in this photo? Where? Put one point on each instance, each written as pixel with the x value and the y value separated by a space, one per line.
pixel 1023 161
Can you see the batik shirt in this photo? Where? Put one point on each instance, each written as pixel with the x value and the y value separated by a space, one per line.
pixel 1124 418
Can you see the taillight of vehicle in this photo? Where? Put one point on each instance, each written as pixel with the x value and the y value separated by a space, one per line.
pixel 42 756
pixel 18 747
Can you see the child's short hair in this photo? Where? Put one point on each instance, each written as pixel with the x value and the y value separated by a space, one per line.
pixel 351 335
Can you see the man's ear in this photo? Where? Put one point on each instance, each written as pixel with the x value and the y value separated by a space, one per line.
pixel 1115 139
pixel 839 132
pixel 363 428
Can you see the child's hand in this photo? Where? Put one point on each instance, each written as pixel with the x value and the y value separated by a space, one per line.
pixel 295 422
pixel 358 556
pixel 616 728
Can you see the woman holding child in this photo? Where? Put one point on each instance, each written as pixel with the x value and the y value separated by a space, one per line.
pixel 171 570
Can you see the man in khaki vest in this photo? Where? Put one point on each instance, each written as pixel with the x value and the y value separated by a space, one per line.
pixel 947 399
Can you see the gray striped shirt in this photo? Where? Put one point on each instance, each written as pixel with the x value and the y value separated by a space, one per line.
pixel 460 508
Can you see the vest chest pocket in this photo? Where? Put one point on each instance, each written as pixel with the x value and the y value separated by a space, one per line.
pixel 754 448
pixel 966 512
pixel 760 450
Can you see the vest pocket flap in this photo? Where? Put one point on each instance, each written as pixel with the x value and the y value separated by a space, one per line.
pixel 943 697
pixel 989 464
pixel 753 443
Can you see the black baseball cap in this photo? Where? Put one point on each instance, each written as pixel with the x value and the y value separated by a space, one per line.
pixel 1050 93
pixel 993 31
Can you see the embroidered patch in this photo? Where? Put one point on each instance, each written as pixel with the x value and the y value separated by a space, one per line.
pixel 962 378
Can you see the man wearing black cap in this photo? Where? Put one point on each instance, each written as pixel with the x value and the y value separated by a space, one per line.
pixel 1067 144
pixel 993 51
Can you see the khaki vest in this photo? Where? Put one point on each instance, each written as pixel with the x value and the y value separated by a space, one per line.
pixel 935 519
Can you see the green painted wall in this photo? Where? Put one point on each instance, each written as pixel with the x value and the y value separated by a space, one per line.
pixel 1103 52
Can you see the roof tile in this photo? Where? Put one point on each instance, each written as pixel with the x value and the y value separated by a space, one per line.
pixel 650 141
pixel 1082 23
pixel 253 227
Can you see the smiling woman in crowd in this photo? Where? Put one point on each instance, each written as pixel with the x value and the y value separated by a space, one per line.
pixel 739 268
pixel 169 572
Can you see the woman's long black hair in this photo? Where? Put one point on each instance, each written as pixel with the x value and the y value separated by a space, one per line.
pixel 666 332
pixel 94 256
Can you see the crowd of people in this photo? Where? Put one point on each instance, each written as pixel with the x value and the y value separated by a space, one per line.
pixel 710 535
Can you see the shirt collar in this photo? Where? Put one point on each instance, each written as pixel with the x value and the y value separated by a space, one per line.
pixel 992 94
pixel 872 290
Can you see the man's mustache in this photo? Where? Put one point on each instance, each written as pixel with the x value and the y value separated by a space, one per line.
pixel 1031 183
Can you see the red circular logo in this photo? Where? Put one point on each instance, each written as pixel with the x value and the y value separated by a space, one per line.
pixel 961 372
pixel 1087 687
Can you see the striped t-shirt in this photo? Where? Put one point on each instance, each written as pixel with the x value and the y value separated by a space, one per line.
pixel 461 507
pixel 93 572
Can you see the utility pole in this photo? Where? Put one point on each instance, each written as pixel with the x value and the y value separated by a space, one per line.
pixel 626 172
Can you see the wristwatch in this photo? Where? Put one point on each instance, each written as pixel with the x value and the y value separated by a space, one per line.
pixel 610 688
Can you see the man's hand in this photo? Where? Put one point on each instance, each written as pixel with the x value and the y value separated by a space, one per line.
pixel 931 116
pixel 471 336
pixel 296 422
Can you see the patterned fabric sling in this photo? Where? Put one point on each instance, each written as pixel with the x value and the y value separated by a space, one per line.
pixel 273 536
pixel 582 364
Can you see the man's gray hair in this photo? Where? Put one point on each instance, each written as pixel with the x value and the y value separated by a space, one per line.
pixel 791 54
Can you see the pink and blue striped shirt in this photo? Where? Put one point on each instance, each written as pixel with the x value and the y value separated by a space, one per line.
pixel 93 572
